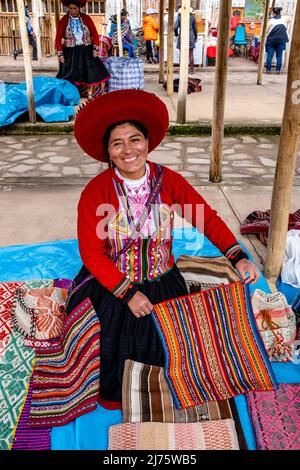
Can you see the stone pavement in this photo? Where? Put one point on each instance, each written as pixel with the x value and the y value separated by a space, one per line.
pixel 41 178
pixel 247 160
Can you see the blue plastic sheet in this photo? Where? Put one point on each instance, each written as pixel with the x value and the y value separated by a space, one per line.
pixel 54 100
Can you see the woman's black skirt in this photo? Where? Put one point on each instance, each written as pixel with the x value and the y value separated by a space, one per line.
pixel 81 68
pixel 123 336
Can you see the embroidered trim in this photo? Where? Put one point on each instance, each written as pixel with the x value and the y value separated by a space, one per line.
pixel 232 252
pixel 31 312
pixel 121 289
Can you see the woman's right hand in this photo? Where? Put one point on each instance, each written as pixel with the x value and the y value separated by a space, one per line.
pixel 140 305
pixel 62 59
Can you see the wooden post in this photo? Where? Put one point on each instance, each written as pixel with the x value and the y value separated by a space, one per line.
pixel 57 12
pixel 37 29
pixel 184 61
pixel 220 91
pixel 27 61
pixel 205 33
pixel 161 42
pixel 120 43
pixel 290 33
pixel 286 160
pixel 274 3
pixel 170 56
pixel 51 35
pixel 263 43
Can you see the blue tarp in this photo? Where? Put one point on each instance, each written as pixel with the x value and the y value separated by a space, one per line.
pixel 54 100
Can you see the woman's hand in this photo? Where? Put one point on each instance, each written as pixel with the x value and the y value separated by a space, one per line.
pixel 245 266
pixel 62 59
pixel 140 305
pixel 95 53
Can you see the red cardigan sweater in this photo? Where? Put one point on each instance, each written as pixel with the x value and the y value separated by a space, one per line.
pixel 63 23
pixel 97 253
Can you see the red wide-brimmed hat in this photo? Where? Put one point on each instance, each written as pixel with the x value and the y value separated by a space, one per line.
pixel 123 105
pixel 80 3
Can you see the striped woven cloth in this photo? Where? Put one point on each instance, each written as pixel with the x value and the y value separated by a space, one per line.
pixel 212 435
pixel 27 438
pixel 66 377
pixel 212 346
pixel 146 397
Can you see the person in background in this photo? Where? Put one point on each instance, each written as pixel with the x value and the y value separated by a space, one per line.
pixel 126 32
pixel 150 31
pixel 31 37
pixel 193 36
pixel 277 38
pixel 77 43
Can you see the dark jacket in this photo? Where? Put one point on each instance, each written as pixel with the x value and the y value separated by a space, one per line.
pixel 193 31
pixel 278 34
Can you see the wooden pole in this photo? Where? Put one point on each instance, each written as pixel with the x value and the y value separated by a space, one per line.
pixel 161 42
pixel 205 33
pixel 274 3
pixel 120 44
pixel 184 61
pixel 57 12
pixel 290 32
pixel 263 43
pixel 27 61
pixel 220 91
pixel 170 49
pixel 286 160
pixel 37 29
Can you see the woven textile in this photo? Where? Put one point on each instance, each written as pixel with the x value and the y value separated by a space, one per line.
pixel 212 346
pixel 125 73
pixel 27 438
pixel 66 378
pixel 276 417
pixel 146 397
pixel 7 292
pixel 38 313
pixel 16 362
pixel 258 222
pixel 276 323
pixel 201 272
pixel 212 435
pixel 16 365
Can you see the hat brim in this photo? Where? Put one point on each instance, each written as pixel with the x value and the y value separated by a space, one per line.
pixel 67 3
pixel 122 105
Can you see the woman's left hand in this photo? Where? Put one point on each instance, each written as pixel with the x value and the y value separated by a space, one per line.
pixel 95 53
pixel 248 271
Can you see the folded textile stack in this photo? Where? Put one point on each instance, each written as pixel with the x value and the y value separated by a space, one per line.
pixel 49 364
pixel 201 272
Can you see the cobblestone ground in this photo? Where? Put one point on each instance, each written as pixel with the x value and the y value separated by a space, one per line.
pixel 247 160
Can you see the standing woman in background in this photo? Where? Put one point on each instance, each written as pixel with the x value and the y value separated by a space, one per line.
pixel 276 39
pixel 77 43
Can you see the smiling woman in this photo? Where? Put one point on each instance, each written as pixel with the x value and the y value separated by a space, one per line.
pixel 125 221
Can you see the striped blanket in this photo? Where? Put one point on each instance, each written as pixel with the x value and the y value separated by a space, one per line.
pixel 212 435
pixel 66 377
pixel 212 346
pixel 146 397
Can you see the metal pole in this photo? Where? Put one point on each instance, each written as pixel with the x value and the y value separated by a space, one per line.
pixel 220 91
pixel 161 42
pixel 27 61
pixel 170 56
pixel 286 161
pixel 263 43
pixel 120 44
pixel 184 61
